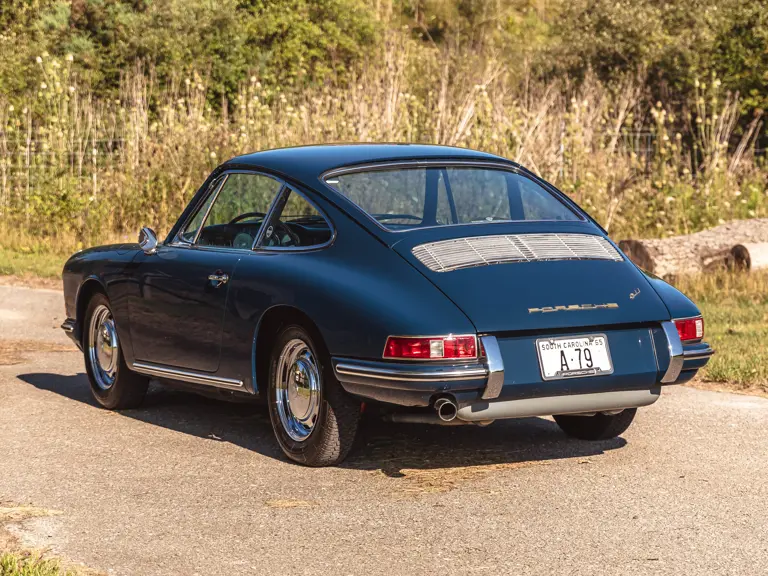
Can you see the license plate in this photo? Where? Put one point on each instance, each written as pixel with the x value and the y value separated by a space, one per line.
pixel 574 356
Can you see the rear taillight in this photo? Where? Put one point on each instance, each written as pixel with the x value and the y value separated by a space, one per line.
pixel 431 347
pixel 690 328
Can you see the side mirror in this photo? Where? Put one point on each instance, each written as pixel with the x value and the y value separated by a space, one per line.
pixel 148 240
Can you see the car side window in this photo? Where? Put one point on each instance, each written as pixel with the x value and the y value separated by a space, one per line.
pixel 300 225
pixel 237 212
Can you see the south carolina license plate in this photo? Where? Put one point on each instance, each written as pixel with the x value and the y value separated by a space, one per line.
pixel 574 356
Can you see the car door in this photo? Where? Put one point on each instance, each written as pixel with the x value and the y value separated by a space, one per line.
pixel 178 309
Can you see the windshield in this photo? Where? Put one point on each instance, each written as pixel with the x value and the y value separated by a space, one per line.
pixel 407 198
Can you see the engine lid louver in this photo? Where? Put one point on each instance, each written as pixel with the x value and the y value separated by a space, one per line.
pixel 447 255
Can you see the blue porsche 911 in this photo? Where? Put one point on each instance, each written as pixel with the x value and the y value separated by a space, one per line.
pixel 441 285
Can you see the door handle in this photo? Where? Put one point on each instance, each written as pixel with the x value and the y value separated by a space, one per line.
pixel 218 279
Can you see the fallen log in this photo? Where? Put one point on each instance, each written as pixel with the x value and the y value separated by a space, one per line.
pixel 750 256
pixel 704 251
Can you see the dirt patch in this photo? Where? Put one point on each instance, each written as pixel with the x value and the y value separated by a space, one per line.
pixel 419 481
pixel 31 282
pixel 16 351
pixel 290 503
pixel 11 513
pixel 14 513
pixel 755 390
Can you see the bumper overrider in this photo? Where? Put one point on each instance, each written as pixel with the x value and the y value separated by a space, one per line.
pixel 476 387
pixel 71 329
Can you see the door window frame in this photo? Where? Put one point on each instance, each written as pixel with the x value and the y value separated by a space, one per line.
pixel 215 188
pixel 214 191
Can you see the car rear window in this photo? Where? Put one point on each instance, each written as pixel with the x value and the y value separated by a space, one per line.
pixel 407 198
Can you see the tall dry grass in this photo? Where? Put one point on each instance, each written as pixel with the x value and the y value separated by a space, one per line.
pixel 86 170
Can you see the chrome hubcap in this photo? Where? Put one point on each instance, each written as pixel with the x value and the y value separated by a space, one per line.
pixel 297 390
pixel 103 348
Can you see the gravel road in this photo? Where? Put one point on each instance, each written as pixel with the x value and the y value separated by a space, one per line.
pixel 188 485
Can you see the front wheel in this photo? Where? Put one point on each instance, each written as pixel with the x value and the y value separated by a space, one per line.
pixel 597 427
pixel 113 385
pixel 314 419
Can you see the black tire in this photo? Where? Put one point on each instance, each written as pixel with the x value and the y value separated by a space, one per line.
pixel 128 388
pixel 338 415
pixel 597 427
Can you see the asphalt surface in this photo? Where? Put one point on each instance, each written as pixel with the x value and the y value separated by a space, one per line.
pixel 189 485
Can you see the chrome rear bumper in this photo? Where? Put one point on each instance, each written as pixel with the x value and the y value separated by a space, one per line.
pixel 551 405
pixel 477 386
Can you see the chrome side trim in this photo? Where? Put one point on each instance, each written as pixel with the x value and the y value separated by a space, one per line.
pixel 186 376
pixel 68 325
pixel 547 406
pixel 430 374
pixel 698 354
pixel 675 347
pixel 495 367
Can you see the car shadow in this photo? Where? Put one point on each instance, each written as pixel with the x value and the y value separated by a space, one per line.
pixel 388 447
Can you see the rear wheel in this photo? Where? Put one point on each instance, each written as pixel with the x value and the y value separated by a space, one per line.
pixel 597 427
pixel 113 385
pixel 314 419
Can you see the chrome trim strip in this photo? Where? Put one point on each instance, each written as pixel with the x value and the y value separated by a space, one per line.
pixel 186 376
pixel 270 214
pixel 698 354
pixel 432 374
pixel 68 325
pixel 444 162
pixel 675 347
pixel 215 196
pixel 495 367
pixel 547 406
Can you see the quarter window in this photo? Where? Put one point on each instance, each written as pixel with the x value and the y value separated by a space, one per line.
pixel 237 213
pixel 300 225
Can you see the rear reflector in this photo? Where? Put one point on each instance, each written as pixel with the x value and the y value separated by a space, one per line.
pixel 690 328
pixel 431 347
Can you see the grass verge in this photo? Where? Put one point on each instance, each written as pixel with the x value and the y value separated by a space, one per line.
pixel 30 564
pixel 735 309
pixel 15 561
pixel 30 264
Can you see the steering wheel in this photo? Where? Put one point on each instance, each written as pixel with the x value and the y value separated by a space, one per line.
pixel 237 219
pixel 275 239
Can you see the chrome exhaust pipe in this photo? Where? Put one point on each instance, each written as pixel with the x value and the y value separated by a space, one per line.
pixel 446 409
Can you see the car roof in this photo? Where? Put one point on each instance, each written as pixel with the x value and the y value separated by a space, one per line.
pixel 307 163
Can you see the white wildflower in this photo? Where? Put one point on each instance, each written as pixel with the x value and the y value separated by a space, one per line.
pixel 39 60
pixel 69 58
